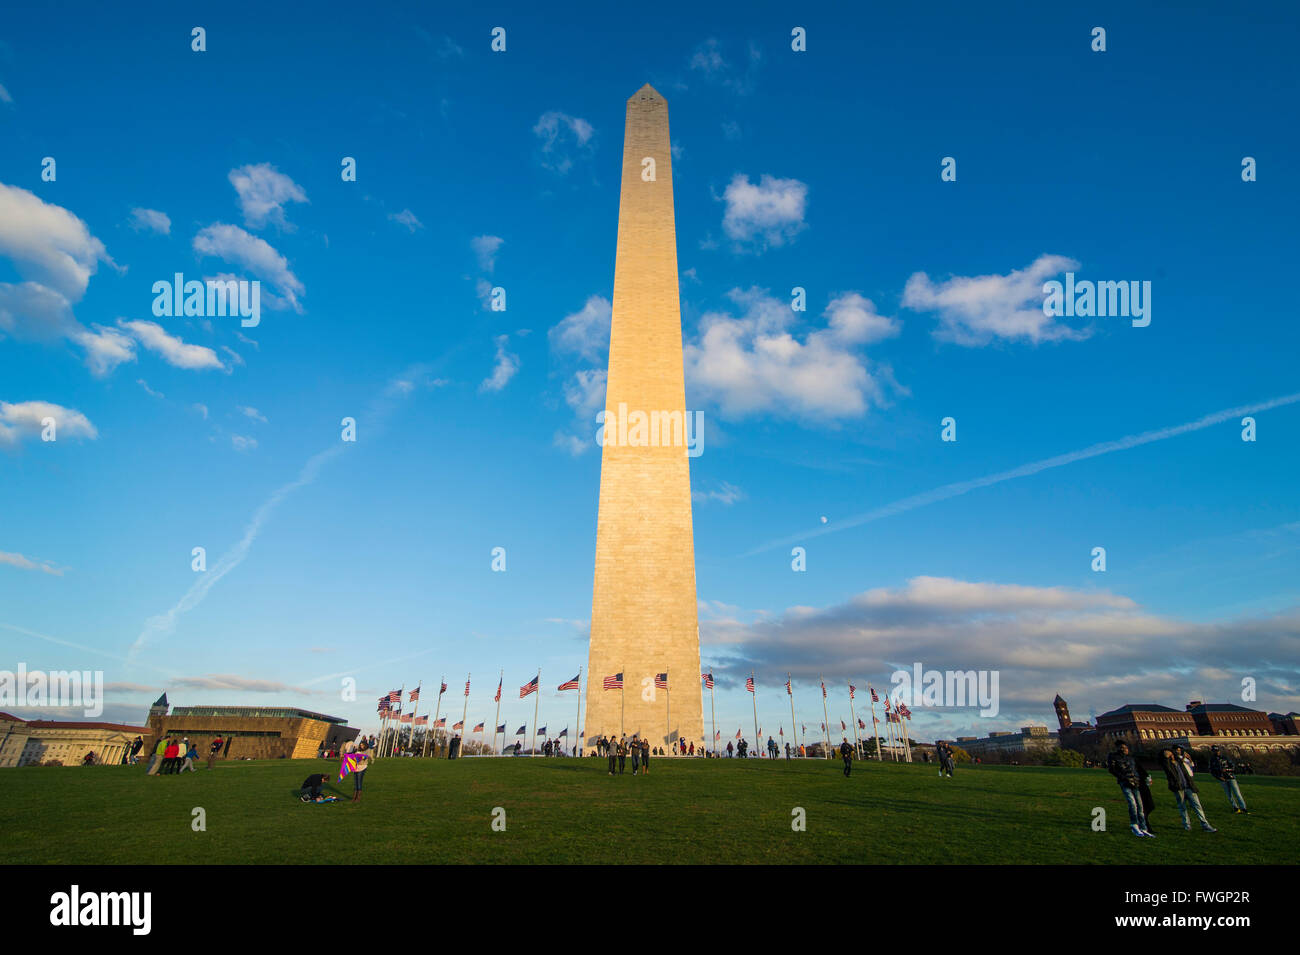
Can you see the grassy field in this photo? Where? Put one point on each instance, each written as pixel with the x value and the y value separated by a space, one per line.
pixel 571 811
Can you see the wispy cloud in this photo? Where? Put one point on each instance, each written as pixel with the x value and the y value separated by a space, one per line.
pixel 1033 467
pixel 26 563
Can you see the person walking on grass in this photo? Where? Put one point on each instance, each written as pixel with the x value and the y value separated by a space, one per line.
pixel 846 754
pixel 612 756
pixel 1224 770
pixel 1184 790
pixel 156 760
pixel 213 750
pixel 645 757
pixel 622 754
pixel 189 756
pixel 636 754
pixel 1124 768
pixel 171 756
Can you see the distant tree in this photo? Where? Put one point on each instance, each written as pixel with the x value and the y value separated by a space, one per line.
pixel 1064 757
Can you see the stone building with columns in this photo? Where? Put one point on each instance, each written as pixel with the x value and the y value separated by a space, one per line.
pixel 33 742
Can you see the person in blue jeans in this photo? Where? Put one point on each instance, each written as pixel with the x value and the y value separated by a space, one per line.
pixel 1125 770
pixel 1184 790
pixel 1224 770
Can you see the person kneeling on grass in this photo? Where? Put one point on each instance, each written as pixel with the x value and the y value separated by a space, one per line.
pixel 311 788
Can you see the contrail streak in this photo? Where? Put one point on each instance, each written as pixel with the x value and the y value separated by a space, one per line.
pixel 1025 470
pixel 164 623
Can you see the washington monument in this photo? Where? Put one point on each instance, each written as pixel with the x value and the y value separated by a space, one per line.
pixel 643 613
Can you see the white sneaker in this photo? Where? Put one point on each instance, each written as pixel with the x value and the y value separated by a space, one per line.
pixel 1137 832
pixel 1149 835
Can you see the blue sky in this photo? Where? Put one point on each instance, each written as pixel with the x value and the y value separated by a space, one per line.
pixel 818 169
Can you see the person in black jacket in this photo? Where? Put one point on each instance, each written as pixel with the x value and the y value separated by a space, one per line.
pixel 846 754
pixel 1124 768
pixel 1224 770
pixel 1184 790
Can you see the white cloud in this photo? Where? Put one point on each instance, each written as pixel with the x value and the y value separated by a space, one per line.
pixel 506 366
pixel 726 495
pixel 48 243
pixel 233 244
pixel 252 413
pixel 24 419
pixel 26 563
pixel 586 331
pixel 407 218
pixel 30 311
pixel 485 248
pixel 242 442
pixel 975 310
pixel 4 95
pixel 561 133
pixel 201 409
pixel 764 215
pixel 106 348
pixel 263 192
pixel 172 350
pixel 707 60
pixel 147 390
pixel 753 364
pixel 151 220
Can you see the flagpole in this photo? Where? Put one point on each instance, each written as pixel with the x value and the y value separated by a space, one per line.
pixel 755 701
pixel 536 703
pixel 907 738
pixel 397 732
pixel 496 720
pixel 826 726
pixel 622 700
pixel 464 714
pixel 437 710
pixel 789 690
pixel 857 746
pixel 668 697
pixel 713 716
pixel 577 728
pixel 415 712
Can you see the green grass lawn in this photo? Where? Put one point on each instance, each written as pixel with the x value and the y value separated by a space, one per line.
pixel 570 810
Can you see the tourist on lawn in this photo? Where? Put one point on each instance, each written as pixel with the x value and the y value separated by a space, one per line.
pixel 171 756
pixel 846 754
pixel 189 756
pixel 622 753
pixel 312 787
pixel 137 744
pixel 359 774
pixel 610 755
pixel 1124 768
pixel 690 748
pixel 1224 770
pixel 213 750
pixel 1148 800
pixel 155 761
pixel 1184 790
pixel 645 757
pixel 728 749
pixel 635 753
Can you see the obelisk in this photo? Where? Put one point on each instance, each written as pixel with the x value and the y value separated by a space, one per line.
pixel 643 613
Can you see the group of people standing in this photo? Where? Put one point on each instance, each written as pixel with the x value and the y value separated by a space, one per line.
pixel 943 753
pixel 618 750
pixel 1179 769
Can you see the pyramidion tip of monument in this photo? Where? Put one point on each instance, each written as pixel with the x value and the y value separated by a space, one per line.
pixel 647 93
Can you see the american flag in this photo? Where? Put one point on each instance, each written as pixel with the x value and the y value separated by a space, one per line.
pixel 422 721
pixel 842 726
pixel 458 725
pixel 614 682
pixel 861 725
pixel 717 734
pixel 661 681
pixel 497 698
pixel 406 717
pixel 851 689
pixel 570 684
pixel 529 687
pixel 441 722
pixel 749 684
pixel 467 686
pixel 478 728
pixel 708 680
pixel 564 732
pixel 902 708
pixel 522 730
pixel 443 690
pixel 781 732
pixel 789 691
pixel 541 731
pixel 886 704
pixel 737 734
pixel 823 689
pixel 823 727
pixel 415 694
pixel 805 729
pixel 395 696
pixel 501 728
